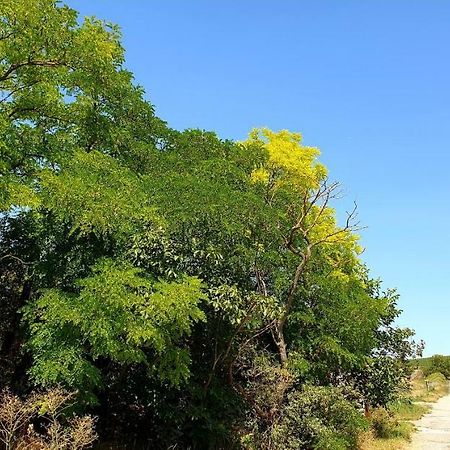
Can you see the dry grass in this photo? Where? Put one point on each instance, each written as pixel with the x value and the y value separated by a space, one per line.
pixel 60 430
pixel 429 389
pixel 369 442
pixel 412 407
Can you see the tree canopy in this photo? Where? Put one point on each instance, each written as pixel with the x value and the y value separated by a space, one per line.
pixel 194 291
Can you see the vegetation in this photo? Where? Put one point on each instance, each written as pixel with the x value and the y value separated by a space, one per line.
pixel 55 430
pixel 191 292
pixel 430 388
pixel 437 363
pixel 392 427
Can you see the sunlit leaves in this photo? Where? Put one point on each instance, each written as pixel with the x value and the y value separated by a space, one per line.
pixel 137 248
pixel 118 314
pixel 63 88
pixel 96 193
pixel 288 160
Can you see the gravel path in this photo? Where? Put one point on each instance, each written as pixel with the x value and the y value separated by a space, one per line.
pixel 433 428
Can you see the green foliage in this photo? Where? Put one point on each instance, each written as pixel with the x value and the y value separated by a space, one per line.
pixel 117 314
pixel 197 288
pixel 438 363
pixel 436 377
pixel 382 380
pixel 96 193
pixel 335 319
pixel 320 418
pixel 405 409
pixel 386 426
pixel 63 87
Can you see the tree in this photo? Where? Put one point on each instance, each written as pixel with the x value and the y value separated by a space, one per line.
pixel 73 127
pixel 296 182
pixel 440 363
pixel 63 87
pixel 192 287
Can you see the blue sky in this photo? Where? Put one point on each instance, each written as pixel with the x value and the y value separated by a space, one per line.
pixel 368 82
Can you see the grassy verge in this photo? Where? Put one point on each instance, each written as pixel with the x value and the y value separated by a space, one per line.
pixel 368 441
pixel 391 429
pixel 407 409
pixel 429 389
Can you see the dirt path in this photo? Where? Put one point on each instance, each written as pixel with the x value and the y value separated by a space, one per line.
pixel 433 428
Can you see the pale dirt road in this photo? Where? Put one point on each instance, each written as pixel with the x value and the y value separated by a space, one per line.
pixel 433 428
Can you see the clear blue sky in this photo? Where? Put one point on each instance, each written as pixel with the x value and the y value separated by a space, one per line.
pixel 368 82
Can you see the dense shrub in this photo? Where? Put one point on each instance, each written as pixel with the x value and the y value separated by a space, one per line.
pixel 318 418
pixel 386 426
pixel 439 363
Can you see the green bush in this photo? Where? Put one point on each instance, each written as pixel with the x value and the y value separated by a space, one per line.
pixel 436 377
pixel 437 363
pixel 385 426
pixel 320 418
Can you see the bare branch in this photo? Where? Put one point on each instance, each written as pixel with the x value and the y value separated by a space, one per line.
pixel 17 259
pixel 322 195
pixel 350 227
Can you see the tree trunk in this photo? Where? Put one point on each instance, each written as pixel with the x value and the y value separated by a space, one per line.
pixel 280 342
pixel 279 328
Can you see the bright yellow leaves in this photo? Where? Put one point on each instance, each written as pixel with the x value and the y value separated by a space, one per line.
pixel 288 160
pixel 293 175
pixel 260 175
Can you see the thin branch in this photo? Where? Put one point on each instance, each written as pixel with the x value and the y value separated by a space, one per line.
pixel 20 88
pixel 14 67
pixel 17 259
pixel 327 194
pixel 349 227
pixel 6 36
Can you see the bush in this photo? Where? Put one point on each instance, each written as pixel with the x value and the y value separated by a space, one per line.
pixel 320 418
pixel 436 377
pixel 385 426
pixel 441 364
pixel 56 430
pixel 437 363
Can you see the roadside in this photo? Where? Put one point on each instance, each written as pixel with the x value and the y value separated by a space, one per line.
pixel 433 428
pixel 419 420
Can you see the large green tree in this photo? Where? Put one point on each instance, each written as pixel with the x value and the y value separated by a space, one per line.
pixel 192 288
pixel 73 127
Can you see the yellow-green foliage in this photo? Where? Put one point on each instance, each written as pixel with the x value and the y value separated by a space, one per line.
pixel 294 169
pixel 406 409
pixel 288 160
pixel 120 314
pixel 387 425
pixel 97 194
pixel 437 377
pixel 436 363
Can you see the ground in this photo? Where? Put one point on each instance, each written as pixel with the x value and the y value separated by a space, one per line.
pixel 433 428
